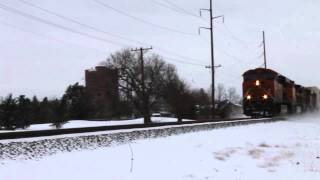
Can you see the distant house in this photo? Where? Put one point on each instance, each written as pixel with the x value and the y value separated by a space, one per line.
pixel 102 87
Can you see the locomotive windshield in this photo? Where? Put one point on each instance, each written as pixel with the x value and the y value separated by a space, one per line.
pixel 260 73
pixel 254 76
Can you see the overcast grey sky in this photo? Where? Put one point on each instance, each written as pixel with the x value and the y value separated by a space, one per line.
pixel 41 59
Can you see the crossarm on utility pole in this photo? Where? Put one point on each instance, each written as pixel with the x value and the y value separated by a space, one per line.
pixel 199 30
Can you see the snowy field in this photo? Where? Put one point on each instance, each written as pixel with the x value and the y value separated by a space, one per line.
pixel 278 151
pixel 84 123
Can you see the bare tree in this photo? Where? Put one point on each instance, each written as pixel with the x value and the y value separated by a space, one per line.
pixel 156 73
pixel 202 100
pixel 232 95
pixel 221 92
pixel 180 99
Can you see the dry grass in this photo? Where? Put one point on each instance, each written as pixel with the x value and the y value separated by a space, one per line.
pixel 264 145
pixel 220 158
pixel 275 160
pixel 223 155
pixel 255 153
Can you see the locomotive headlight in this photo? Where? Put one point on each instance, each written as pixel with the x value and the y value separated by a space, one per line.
pixel 257 83
pixel 265 96
pixel 248 97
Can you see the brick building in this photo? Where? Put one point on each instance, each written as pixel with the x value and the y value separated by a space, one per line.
pixel 103 90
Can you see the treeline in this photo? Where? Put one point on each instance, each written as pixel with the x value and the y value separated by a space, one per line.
pixel 162 88
pixel 21 112
pixel 162 91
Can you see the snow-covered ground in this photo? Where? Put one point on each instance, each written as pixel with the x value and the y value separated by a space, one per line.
pixel 277 151
pixel 84 123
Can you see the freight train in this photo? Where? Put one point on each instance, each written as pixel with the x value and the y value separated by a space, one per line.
pixel 267 93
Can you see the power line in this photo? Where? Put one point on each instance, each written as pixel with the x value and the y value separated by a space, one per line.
pixel 6 8
pixel 12 10
pixel 100 30
pixel 47 37
pixel 234 37
pixel 69 43
pixel 66 42
pixel 78 22
pixel 239 41
pixel 178 55
pixel 236 77
pixel 233 56
pixel 184 62
pixel 142 20
pixel 180 9
pixel 166 6
pixel 174 9
pixel 237 58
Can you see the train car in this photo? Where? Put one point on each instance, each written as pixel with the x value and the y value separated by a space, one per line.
pixel 301 98
pixel 268 93
pixel 262 92
pixel 314 98
pixel 289 101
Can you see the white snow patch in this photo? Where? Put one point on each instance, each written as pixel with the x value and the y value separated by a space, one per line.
pixel 86 123
pixel 277 151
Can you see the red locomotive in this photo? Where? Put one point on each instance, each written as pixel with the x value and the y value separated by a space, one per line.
pixel 268 93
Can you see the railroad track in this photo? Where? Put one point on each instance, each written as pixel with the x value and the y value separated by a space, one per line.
pixel 53 132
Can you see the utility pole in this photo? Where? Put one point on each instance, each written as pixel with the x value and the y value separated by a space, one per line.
pixel 210 10
pixel 145 99
pixel 264 50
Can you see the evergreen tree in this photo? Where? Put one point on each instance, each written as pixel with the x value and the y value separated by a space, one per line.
pixel 45 112
pixel 9 108
pixel 23 113
pixel 77 99
pixel 35 108
pixel 60 111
